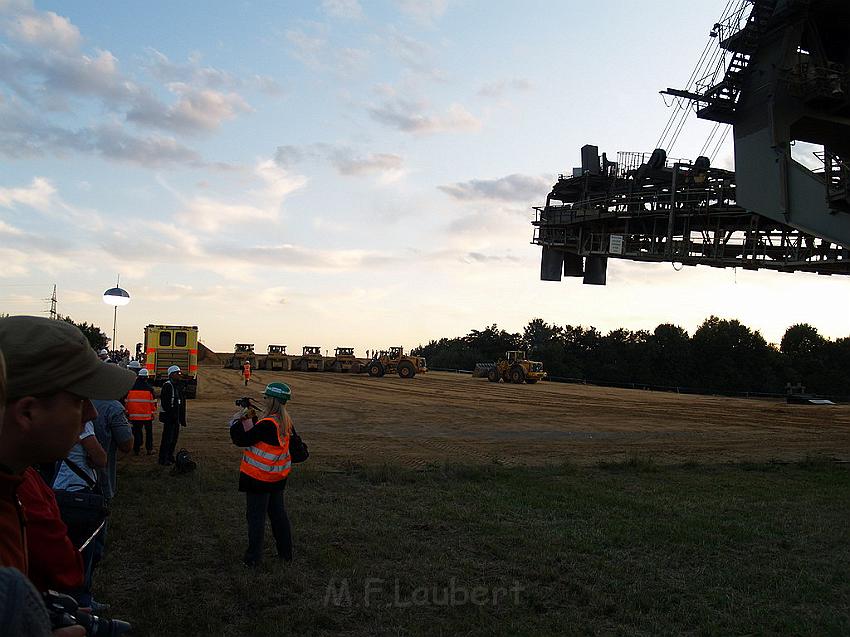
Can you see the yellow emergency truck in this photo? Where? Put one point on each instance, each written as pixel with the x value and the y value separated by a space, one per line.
pixel 167 345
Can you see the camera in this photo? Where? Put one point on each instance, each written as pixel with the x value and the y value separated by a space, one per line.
pixel 64 611
pixel 247 403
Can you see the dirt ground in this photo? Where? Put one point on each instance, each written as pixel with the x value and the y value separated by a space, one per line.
pixel 441 417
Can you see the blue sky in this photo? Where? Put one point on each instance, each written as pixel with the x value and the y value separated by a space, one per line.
pixel 344 172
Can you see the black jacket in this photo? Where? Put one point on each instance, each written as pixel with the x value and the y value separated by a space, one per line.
pixel 264 432
pixel 172 401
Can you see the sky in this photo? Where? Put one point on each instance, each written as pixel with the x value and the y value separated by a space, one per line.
pixel 343 172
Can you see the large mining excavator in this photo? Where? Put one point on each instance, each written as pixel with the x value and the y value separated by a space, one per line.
pixel 778 72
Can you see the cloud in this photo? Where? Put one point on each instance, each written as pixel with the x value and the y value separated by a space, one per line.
pixel 5 228
pixel 347 164
pixel 45 29
pixel 197 110
pixel 153 151
pixel 307 49
pixel 208 214
pixel 498 89
pixel 479 257
pixel 425 11
pixel 345 160
pixel 350 61
pixel 39 195
pixel 23 135
pixel 288 156
pixel 312 50
pixel 415 55
pixel 45 72
pixel 196 75
pixel 46 75
pixel 409 116
pixel 513 188
pixel 346 9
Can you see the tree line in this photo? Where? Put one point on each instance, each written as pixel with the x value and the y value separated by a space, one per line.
pixel 721 356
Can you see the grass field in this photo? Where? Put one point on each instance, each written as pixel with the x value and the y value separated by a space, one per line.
pixel 415 544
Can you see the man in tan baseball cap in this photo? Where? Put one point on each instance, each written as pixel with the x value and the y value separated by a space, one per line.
pixel 45 356
pixel 51 375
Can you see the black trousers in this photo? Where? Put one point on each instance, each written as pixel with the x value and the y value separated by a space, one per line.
pixel 258 506
pixel 170 433
pixel 137 434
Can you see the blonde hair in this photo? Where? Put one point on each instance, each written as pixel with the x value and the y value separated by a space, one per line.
pixel 273 406
pixel 277 406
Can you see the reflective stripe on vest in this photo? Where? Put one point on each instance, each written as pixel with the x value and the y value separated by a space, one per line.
pixel 140 404
pixel 265 462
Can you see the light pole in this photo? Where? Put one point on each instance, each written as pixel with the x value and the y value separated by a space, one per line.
pixel 116 296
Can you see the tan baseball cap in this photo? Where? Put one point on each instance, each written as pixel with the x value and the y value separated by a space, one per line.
pixel 44 356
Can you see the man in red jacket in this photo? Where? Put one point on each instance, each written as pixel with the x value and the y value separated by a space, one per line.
pixel 52 373
pixel 54 562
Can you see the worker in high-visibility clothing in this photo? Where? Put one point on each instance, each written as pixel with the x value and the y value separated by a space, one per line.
pixel 262 475
pixel 246 371
pixel 141 406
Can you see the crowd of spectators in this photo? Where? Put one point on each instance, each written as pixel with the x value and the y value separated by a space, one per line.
pixel 65 416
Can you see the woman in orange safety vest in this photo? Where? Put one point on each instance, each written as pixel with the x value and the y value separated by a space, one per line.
pixel 262 475
pixel 246 371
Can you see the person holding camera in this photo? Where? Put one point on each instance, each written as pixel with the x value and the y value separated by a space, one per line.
pixel 266 463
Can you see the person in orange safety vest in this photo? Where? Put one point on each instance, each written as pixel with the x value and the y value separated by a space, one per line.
pixel 262 474
pixel 141 406
pixel 246 371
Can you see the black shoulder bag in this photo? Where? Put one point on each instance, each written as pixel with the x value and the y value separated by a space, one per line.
pixel 82 511
pixel 298 451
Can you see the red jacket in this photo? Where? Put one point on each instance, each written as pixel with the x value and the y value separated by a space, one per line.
pixel 54 563
pixel 13 539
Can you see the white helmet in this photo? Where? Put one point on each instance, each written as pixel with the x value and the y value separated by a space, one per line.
pixel 134 365
pixel 143 372
pixel 173 369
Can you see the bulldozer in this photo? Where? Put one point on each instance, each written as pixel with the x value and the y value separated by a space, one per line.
pixel 241 353
pixel 311 360
pixel 344 361
pixel 276 359
pixel 395 361
pixel 516 368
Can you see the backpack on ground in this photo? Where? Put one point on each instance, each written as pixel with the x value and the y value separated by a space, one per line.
pixel 183 462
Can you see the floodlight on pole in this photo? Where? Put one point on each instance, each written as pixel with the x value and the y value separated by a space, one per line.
pixel 116 296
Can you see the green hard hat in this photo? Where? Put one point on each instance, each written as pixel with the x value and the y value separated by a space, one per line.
pixel 281 391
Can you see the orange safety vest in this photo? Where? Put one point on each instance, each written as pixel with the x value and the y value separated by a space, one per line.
pixel 269 463
pixel 246 370
pixel 140 404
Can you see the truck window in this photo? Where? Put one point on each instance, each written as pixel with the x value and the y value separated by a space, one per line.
pixel 165 339
pixel 180 339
